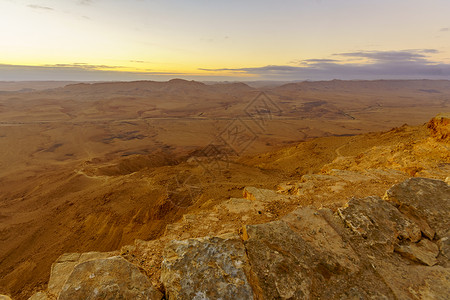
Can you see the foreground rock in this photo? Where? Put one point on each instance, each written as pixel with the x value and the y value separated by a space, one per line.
pixel 314 227
pixel 379 222
pixel 315 254
pixel 96 275
pixel 370 248
pixel 286 266
pixel 64 265
pixel 39 296
pixel 208 268
pixel 424 252
pixel 109 278
pixel 426 201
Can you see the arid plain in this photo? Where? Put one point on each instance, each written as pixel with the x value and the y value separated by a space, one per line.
pixel 92 167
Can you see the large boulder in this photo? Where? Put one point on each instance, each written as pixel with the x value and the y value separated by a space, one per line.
pixel 108 278
pixel 206 268
pixel 313 227
pixel 284 265
pixel 379 222
pixel 426 201
pixel 424 252
pixel 64 265
pixel 280 261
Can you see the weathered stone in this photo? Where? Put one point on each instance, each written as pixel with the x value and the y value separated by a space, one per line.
pixel 61 270
pixel 379 222
pixel 264 195
pixel 352 177
pixel 444 247
pixel 285 266
pixel 435 285
pixel 439 127
pixel 39 296
pixel 241 206
pixel 63 267
pixel 206 268
pixel 311 226
pixel 277 256
pixel 426 201
pixel 414 281
pixel 424 252
pixel 108 278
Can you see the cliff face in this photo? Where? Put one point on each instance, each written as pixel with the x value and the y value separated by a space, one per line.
pixel 359 227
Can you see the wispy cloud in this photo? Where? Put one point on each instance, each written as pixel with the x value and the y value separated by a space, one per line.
pixel 319 60
pixel 85 2
pixel 313 60
pixel 78 72
pixel 403 64
pixel 444 29
pixel 395 56
pixel 39 7
pixel 84 66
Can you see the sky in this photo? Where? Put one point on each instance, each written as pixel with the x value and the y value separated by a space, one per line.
pixel 244 40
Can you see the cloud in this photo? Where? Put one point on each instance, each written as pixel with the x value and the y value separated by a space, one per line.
pixel 83 72
pixel 405 64
pixel 86 72
pixel 444 29
pixel 314 60
pixel 85 2
pixel 39 7
pixel 83 66
pixel 257 69
pixel 139 61
pixel 319 60
pixel 395 56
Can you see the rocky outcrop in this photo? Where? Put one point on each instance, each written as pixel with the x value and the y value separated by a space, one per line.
pixel 424 252
pixel 108 278
pixel 286 266
pixel 207 268
pixel 313 253
pixel 314 227
pixel 379 222
pixel 439 127
pixel 396 248
pixel 64 265
pixel 96 275
pixel 426 201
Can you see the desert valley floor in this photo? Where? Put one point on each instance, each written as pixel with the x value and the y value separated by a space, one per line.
pixel 92 167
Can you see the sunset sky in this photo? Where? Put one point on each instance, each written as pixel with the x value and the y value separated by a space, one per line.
pixel 224 40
